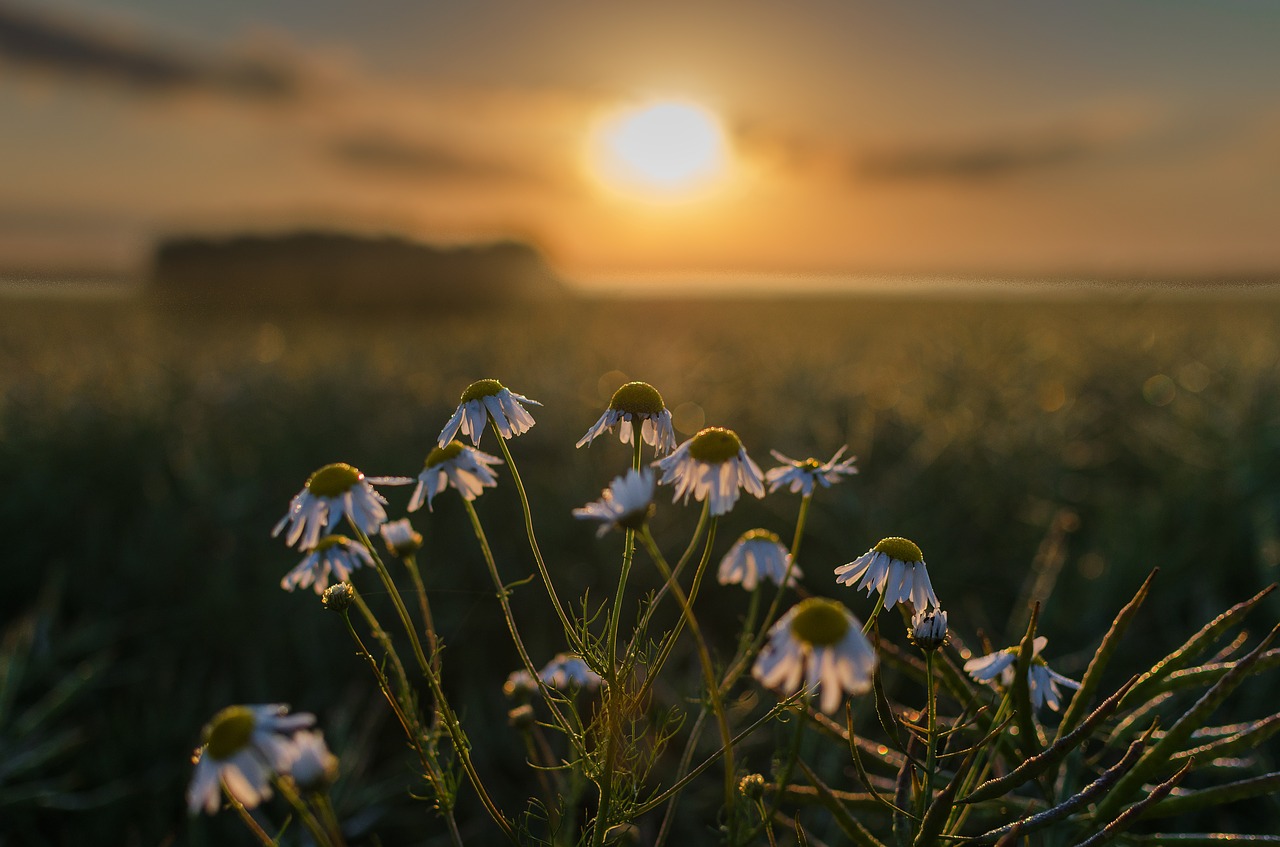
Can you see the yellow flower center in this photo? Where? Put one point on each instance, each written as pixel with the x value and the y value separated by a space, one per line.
pixel 902 549
pixel 761 535
pixel 229 732
pixel 715 445
pixel 820 622
pixel 331 541
pixel 637 398
pixel 333 480
pixel 482 388
pixel 440 455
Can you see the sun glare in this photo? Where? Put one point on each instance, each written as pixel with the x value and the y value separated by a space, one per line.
pixel 668 149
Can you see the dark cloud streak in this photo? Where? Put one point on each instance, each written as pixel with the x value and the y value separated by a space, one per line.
pixel 428 161
pixel 975 163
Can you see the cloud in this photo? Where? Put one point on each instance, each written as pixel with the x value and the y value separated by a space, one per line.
pixel 975 162
pixel 423 160
pixel 90 51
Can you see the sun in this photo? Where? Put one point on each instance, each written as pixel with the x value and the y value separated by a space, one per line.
pixel 664 149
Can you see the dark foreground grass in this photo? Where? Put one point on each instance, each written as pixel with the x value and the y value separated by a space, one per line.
pixel 1028 447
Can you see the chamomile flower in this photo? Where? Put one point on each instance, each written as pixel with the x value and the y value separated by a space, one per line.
pixel 465 468
pixel 817 644
pixel 244 746
pixel 758 555
pixel 712 466
pixel 1042 680
pixel 801 476
pixel 330 493
pixel 485 399
pixel 928 629
pixel 401 538
pixel 636 401
pixel 315 768
pixel 625 504
pixel 333 554
pixel 567 671
pixel 520 685
pixel 895 568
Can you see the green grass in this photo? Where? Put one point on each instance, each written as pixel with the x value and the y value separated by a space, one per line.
pixel 147 454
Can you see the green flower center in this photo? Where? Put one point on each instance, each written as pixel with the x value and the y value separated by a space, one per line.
pixel 330 541
pixel 229 732
pixel 333 480
pixel 637 398
pixel 902 549
pixel 761 535
pixel 440 455
pixel 715 445
pixel 482 388
pixel 820 622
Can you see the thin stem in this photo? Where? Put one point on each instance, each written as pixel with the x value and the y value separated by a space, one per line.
pixel 628 553
pixel 931 755
pixel 793 753
pixel 246 817
pixel 875 613
pixel 328 817
pixel 291 796
pixel 428 623
pixel 643 626
pixel 396 600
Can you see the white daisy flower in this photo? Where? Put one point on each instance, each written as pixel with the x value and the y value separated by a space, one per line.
pixel 485 399
pixel 817 643
pixel 334 554
pixel 520 684
pixel 329 494
pixel 315 768
pixel 712 466
pixel 636 401
pixel 1042 680
pixel 928 629
pixel 758 555
pixel 244 746
pixel 895 568
pixel 456 464
pixel 802 475
pixel 567 671
pixel 625 504
pixel 401 538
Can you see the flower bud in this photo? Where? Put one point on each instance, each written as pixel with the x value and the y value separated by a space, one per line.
pixel 339 597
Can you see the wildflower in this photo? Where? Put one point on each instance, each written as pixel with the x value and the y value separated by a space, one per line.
pixel 315 767
pixel 895 568
pixel 329 494
pixel 636 401
pixel 752 786
pixel 520 685
pixel 401 538
pixel 483 400
pixel 928 629
pixel 334 554
pixel 625 504
pixel 244 746
pixel 567 671
pixel 456 464
pixel 757 555
pixel 801 475
pixel 712 466
pixel 1042 680
pixel 522 717
pixel 818 641
pixel 339 597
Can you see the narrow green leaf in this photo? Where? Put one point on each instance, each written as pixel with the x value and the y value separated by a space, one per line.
pixel 940 809
pixel 1029 741
pixel 1126 818
pixel 1202 839
pixel 1248 739
pixel 1192 801
pixel 1209 674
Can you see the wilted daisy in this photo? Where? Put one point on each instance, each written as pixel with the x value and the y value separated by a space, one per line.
pixel 758 555
pixel 928 629
pixel 636 401
pixel 329 494
pixel 456 464
pixel 315 768
pixel 817 643
pixel 895 568
pixel 485 399
pixel 625 504
pixel 401 538
pixel 567 671
pixel 712 466
pixel 333 554
pixel 1042 680
pixel 801 475
pixel 244 746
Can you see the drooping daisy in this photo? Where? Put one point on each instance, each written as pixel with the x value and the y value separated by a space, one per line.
pixel 712 466
pixel 758 555
pixel 1042 680
pixel 802 475
pixel 894 567
pixel 567 672
pixel 333 554
pixel 817 643
pixel 625 504
pixel 636 401
pixel 243 747
pixel 401 538
pixel 465 468
pixel 485 399
pixel 315 768
pixel 329 494
pixel 928 629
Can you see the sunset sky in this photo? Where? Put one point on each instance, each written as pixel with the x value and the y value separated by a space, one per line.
pixel 986 138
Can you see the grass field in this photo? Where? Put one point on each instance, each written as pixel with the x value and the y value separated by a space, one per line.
pixel 1026 445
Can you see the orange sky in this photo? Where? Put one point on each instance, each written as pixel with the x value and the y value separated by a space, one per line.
pixel 1001 139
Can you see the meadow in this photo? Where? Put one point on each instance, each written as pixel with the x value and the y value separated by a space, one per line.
pixel 1035 448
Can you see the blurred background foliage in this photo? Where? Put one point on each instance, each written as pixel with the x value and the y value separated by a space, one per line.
pixel 1026 446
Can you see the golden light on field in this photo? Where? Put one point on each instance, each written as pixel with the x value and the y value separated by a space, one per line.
pixel 661 150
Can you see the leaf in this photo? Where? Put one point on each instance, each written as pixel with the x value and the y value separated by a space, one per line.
pixel 1126 818
pixel 1022 687
pixel 1191 801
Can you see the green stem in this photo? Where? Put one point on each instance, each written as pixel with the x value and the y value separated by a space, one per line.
pixel 245 817
pixel 428 623
pixel 328 817
pixel 628 553
pixel 931 755
pixel 875 613
pixel 643 627
pixel 291 796
pixel 793 753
